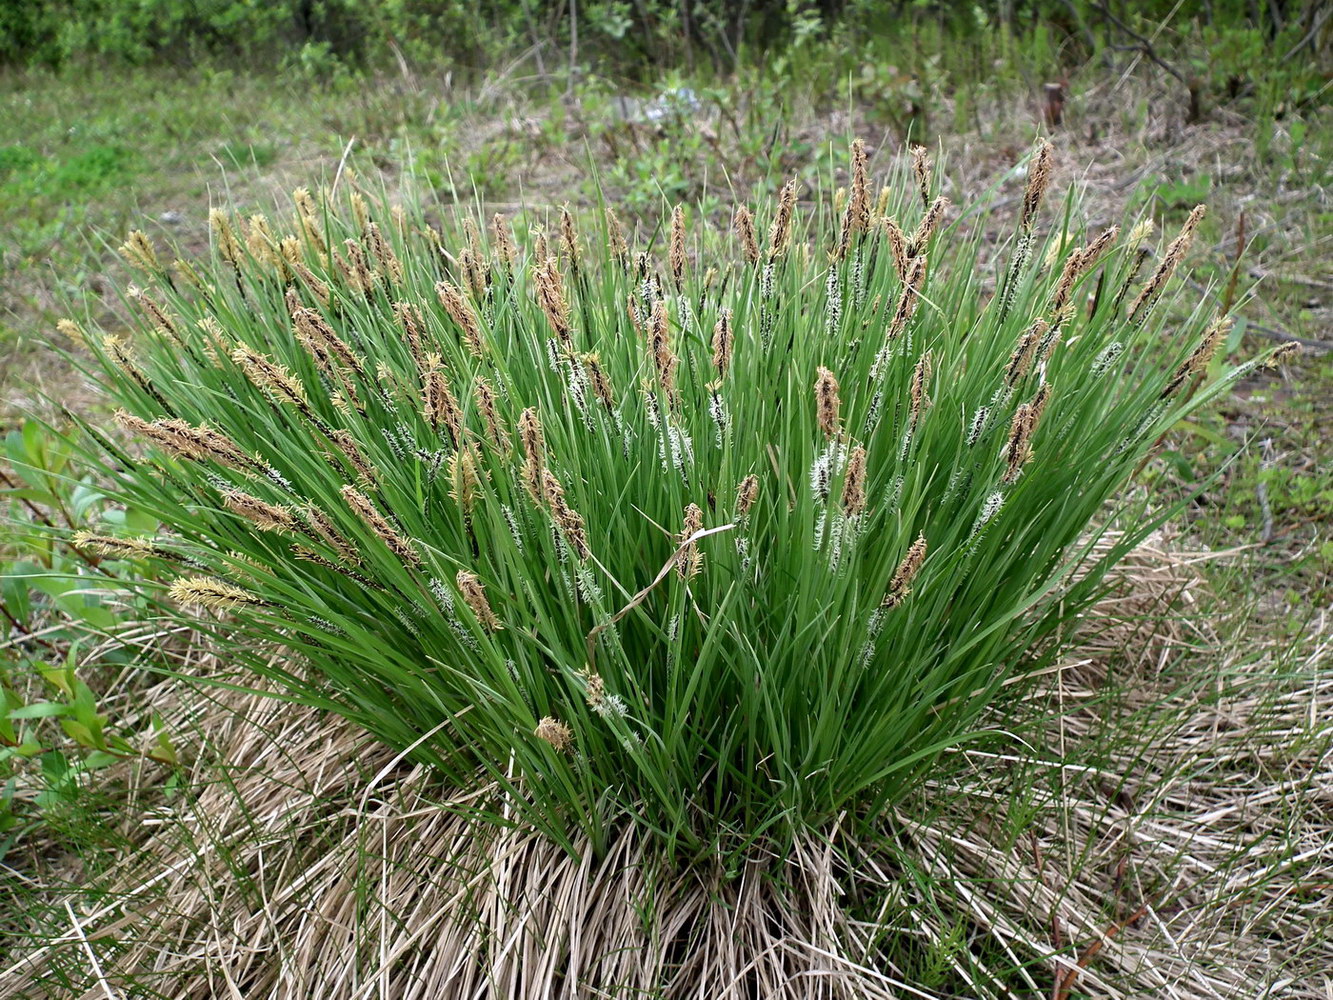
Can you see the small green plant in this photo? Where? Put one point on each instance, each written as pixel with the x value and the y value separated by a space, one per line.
pixel 56 600
pixel 731 535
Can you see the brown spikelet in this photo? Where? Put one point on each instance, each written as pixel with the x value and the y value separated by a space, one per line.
pixel 779 233
pixel 1039 177
pixel 389 264
pixel 484 393
pixel 315 283
pixel 568 520
pixel 556 733
pixel 474 596
pixel 473 233
pixel 356 271
pixel 856 218
pixel 601 382
pixel 595 693
pixel 362 507
pixel 229 247
pixel 827 402
pixel 274 379
pixel 1069 274
pixel 921 170
pixel 346 398
pixel 534 452
pixel 1049 342
pixel 158 316
pixel 854 483
pixel 551 297
pixel 317 336
pixel 689 560
pixel 259 241
pixel 465 478
pixel 478 275
pixel 289 249
pixel 118 351
pixel 676 247
pixel 264 515
pixel 138 252
pixel 1141 256
pixel 918 399
pixel 723 341
pixel 343 568
pixel 539 248
pixel 1283 354
pixel 412 321
pixel 307 217
pixel 569 239
pixel 744 224
pixel 217 595
pixel 71 331
pixel 1018 447
pixel 632 308
pixel 1175 253
pixel 461 312
pixel 1020 361
pixel 186 441
pixel 439 404
pixel 347 444
pixel 900 585
pixel 1039 400
pixel 504 242
pixel 898 247
pixel 615 239
pixel 1099 246
pixel 360 212
pixel 119 548
pixel 747 492
pixel 859 204
pixel 664 359
pixel 929 223
pixel 318 526
pixel 1077 264
pixel 908 298
pixel 1199 359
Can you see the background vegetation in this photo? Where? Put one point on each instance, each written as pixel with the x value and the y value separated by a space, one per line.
pixel 631 39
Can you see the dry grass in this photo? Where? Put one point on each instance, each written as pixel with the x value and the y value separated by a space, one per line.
pixel 1191 862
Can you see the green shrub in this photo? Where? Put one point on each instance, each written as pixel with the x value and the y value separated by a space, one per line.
pixel 733 535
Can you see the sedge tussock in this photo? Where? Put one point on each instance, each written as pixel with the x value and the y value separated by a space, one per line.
pixel 805 404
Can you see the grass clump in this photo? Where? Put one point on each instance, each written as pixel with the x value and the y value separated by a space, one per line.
pixel 735 534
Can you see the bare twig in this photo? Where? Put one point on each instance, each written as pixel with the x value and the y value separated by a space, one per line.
pixel 1144 45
